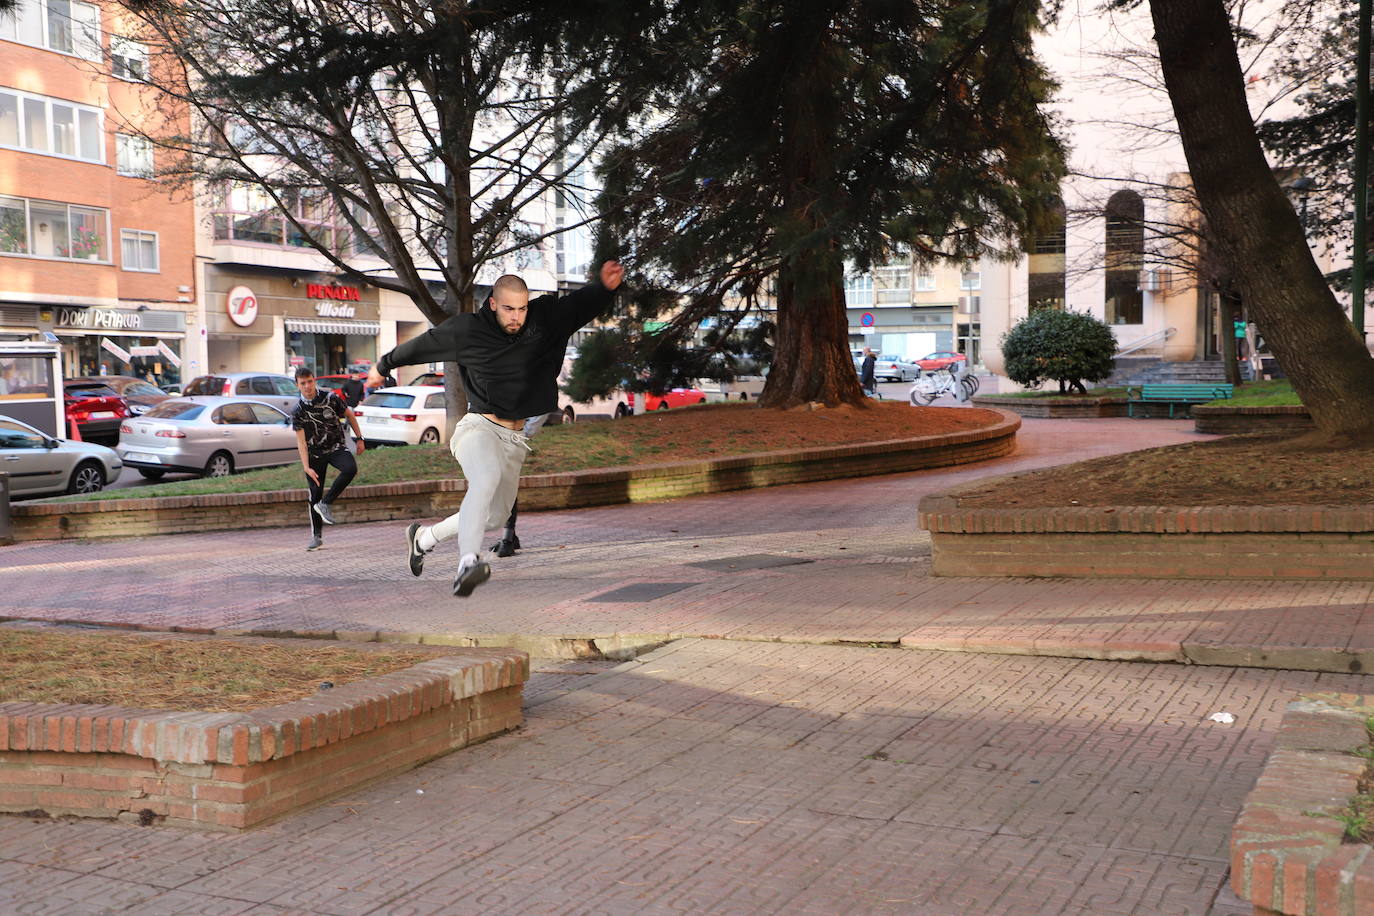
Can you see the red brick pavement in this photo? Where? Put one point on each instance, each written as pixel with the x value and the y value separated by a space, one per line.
pixel 733 777
pixel 866 581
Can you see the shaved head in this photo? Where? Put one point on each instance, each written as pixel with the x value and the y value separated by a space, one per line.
pixel 510 299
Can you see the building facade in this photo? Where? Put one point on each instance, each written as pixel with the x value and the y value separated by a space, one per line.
pixel 94 252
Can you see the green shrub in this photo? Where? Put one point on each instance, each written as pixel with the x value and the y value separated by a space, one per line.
pixel 1068 347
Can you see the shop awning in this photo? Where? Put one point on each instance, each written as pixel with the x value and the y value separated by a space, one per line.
pixel 333 326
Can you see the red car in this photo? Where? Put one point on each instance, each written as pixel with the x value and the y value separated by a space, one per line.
pixel 677 397
pixel 940 359
pixel 95 409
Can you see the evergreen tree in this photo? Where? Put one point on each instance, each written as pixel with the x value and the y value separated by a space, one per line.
pixel 802 134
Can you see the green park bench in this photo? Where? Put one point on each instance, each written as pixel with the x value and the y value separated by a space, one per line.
pixel 1174 394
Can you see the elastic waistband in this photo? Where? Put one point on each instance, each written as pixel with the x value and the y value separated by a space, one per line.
pixel 514 437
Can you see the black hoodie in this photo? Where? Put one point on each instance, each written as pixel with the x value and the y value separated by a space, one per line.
pixel 512 376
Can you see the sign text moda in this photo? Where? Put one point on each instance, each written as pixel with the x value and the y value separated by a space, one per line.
pixel 114 319
pixel 335 296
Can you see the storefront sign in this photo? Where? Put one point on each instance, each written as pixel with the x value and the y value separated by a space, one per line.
pixel 333 291
pixel 334 310
pixel 103 319
pixel 242 306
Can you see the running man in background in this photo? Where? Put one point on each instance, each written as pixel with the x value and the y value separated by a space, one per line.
pixel 510 353
pixel 318 420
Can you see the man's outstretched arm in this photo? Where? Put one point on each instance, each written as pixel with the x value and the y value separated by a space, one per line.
pixel 583 305
pixel 439 344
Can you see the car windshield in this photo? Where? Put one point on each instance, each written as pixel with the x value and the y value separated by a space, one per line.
pixel 175 410
pixel 388 399
pixel 206 384
pixel 890 359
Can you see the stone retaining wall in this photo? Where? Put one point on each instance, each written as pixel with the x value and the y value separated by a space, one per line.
pixel 1150 542
pixel 428 499
pixel 231 771
pixel 1225 421
pixel 1287 854
pixel 1056 407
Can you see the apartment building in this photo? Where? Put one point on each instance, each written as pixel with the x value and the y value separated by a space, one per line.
pixel 94 251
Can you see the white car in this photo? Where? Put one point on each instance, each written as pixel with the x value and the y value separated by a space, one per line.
pixel 404 415
pixel 40 465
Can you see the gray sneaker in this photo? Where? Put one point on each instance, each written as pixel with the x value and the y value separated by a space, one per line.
pixel 315 544
pixel 324 512
pixel 469 577
pixel 414 554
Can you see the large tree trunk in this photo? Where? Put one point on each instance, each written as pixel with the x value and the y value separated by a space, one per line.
pixel 1254 225
pixel 811 361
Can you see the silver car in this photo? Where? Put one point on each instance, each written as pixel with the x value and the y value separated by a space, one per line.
pixel 39 465
pixel 210 436
pixel 268 387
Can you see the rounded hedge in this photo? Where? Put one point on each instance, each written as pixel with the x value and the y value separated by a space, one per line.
pixel 1068 347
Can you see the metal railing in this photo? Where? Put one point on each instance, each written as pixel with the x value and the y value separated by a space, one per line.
pixel 1142 343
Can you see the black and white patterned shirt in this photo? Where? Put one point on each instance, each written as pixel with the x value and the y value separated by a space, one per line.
pixel 322 418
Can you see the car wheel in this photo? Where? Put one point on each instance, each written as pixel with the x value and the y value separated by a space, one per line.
pixel 89 477
pixel 221 464
pixel 701 400
pixel 662 405
pixel 429 436
pixel 569 416
pixel 621 411
pixel 152 473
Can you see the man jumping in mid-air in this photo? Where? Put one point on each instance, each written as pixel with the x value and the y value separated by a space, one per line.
pixel 510 352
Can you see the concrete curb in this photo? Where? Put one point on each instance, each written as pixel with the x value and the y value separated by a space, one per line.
pixel 628 646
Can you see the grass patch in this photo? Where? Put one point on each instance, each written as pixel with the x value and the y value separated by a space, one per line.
pixel 1357 817
pixel 111 669
pixel 704 431
pixel 1272 393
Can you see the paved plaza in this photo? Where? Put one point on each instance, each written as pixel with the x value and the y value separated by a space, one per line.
pixel 778 753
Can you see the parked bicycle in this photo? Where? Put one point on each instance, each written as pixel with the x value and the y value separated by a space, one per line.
pixel 931 385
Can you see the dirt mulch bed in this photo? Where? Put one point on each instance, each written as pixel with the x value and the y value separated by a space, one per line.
pixel 111 669
pixel 1236 471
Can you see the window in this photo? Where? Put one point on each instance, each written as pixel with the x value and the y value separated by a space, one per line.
pixel 925 282
pixel 12 435
pixel 128 58
pixel 58 25
pixel 286 387
pixel 858 290
pixel 268 415
pixel 47 229
pixel 434 402
pixel 133 156
pixel 138 250
pixel 1125 255
pixel 25 378
pixel 234 414
pixel 892 285
pixel 971 279
pixel 38 124
pixel 1046 263
pixel 263 385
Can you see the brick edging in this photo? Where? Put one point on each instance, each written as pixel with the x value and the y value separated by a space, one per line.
pixel 1055 407
pixel 269 733
pixel 575 489
pixel 1287 854
pixel 1233 420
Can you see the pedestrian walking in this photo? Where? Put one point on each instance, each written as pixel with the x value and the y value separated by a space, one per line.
pixel 510 352
pixel 867 379
pixel 319 420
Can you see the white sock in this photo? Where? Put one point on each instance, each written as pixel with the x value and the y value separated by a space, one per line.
pixel 469 559
pixel 425 540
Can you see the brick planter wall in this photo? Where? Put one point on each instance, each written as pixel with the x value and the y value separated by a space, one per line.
pixel 1056 407
pixel 231 771
pixel 1286 851
pixel 1231 420
pixel 1150 542
pixel 428 499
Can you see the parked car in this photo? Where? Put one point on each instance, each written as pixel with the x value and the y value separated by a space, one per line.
pixel 940 359
pixel 96 409
pixel 39 465
pixel 895 368
pixel 210 436
pixel 278 390
pixel 677 397
pixel 141 396
pixel 404 415
pixel 429 379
